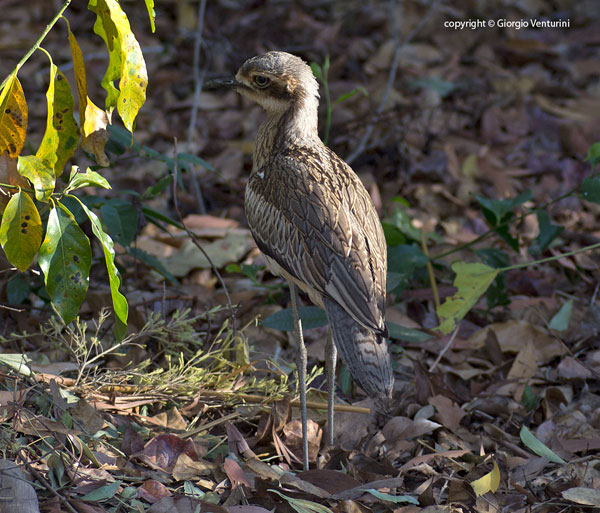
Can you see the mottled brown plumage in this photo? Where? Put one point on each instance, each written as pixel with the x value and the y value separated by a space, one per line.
pixel 312 217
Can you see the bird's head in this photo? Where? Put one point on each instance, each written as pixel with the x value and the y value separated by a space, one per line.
pixel 274 80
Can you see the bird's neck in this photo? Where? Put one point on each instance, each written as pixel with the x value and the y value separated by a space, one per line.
pixel 296 126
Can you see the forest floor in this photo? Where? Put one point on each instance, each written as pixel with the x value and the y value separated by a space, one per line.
pixel 472 142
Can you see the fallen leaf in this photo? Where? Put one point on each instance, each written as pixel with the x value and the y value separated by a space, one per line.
pixel 582 495
pixel 448 412
pixel 22 497
pixel 152 491
pixel 487 483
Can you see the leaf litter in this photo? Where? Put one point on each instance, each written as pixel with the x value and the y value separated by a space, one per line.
pixel 508 419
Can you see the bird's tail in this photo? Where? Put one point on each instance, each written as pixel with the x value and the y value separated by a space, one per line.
pixel 364 352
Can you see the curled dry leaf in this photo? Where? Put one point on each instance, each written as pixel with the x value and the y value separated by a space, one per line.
pixel 152 491
pixel 402 428
pixel 163 451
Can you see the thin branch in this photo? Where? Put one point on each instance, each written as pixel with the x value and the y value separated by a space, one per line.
pixel 198 82
pixel 446 347
pixel 515 221
pixel 391 79
pixel 194 239
pixel 37 43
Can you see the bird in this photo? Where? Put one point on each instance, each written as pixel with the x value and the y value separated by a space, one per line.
pixel 317 227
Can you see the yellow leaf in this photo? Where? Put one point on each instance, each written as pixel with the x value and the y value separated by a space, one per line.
pixel 92 118
pixel 472 280
pixel 95 135
pixel 126 61
pixel 487 483
pixel 79 70
pixel 10 176
pixel 21 231
pixel 61 137
pixel 13 117
pixel 39 174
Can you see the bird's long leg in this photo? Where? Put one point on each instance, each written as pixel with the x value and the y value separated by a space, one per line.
pixel 330 357
pixel 301 371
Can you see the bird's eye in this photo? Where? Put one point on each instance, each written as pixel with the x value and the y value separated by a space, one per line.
pixel 261 81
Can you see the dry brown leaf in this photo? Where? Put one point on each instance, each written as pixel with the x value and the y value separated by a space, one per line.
pixel 525 364
pixel 570 368
pixel 152 491
pixel 513 335
pixel 402 428
pixel 88 417
pixel 172 419
pixel 448 412
pixel 182 504
pixel 163 451
pixel 292 432
pixel 329 480
pixel 187 468
pixel 236 474
pixel 17 488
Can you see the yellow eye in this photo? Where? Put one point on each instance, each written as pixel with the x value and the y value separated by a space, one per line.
pixel 261 80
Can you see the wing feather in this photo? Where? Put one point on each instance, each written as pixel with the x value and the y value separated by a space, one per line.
pixel 310 213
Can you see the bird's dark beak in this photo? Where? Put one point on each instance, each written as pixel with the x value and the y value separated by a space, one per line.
pixel 223 83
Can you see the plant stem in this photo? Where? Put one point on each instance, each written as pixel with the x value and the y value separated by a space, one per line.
pixel 505 223
pixel 37 43
pixel 550 259
pixel 325 79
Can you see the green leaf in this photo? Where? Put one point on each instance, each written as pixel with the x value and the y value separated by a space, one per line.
pixel 403 262
pixel 17 289
pixel 434 83
pixel 548 232
pixel 499 212
pixel 349 95
pixel 187 160
pixel 13 117
pixel 61 136
pixel 593 156
pixel 39 174
pixel 90 178
pixel 396 499
pixel 528 438
pixel 126 61
pixel 119 302
pixel 311 317
pixel 528 399
pixel 303 505
pixel 496 211
pixel 497 293
pixel 102 493
pixel 472 280
pixel 158 187
pixel 393 236
pixel 590 188
pixel 156 217
pixel 17 362
pixel 401 220
pixel 560 321
pixel 152 262
pixel 121 219
pixel 317 71
pixel 151 13
pixel 407 334
pixel 65 259
pixel 21 230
